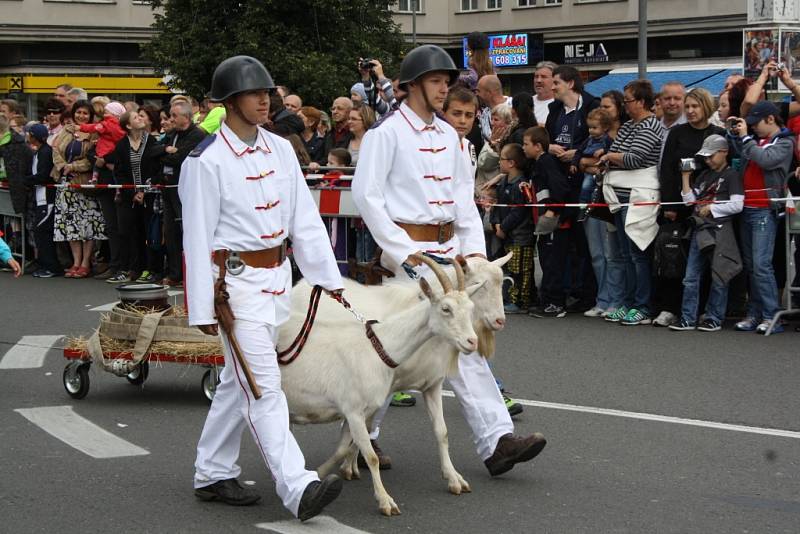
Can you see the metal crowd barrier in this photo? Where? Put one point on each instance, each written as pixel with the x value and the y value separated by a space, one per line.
pixel 792 229
pixel 16 222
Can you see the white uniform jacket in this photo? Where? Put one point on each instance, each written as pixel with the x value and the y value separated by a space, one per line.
pixel 244 198
pixel 416 173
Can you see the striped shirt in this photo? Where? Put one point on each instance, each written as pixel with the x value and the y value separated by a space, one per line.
pixel 136 160
pixel 639 143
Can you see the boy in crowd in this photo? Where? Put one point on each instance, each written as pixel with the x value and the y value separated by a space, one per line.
pixel 712 236
pixel 599 123
pixel 513 226
pixel 551 186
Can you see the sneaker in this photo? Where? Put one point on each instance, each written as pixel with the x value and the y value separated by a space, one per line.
pixel 318 495
pixel 594 312
pixel 616 315
pixel 709 325
pixel 551 310
pixel 403 399
pixel 682 326
pixel 228 491
pixel 512 450
pixel 44 273
pixel 764 326
pixel 748 324
pixel 664 318
pixel 146 278
pixel 512 309
pixel 578 306
pixel 514 408
pixel 119 278
pixel 105 275
pixel 635 317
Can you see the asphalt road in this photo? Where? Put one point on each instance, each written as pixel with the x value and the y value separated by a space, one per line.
pixel 602 470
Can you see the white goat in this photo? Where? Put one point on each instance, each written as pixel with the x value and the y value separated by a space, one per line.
pixel 339 375
pixel 427 368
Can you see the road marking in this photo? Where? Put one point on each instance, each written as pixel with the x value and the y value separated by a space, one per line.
pixel 322 524
pixel 80 433
pixel 654 417
pixel 29 352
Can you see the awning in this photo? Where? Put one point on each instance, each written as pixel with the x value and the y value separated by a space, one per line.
pixel 711 79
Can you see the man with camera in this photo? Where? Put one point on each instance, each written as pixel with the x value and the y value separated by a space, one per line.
pixel 381 100
pixel 766 159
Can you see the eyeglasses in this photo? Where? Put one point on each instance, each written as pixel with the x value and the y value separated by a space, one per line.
pixel 626 101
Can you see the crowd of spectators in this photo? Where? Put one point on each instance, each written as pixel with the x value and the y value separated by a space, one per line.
pixel 721 164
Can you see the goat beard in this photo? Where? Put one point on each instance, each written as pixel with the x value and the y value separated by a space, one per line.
pixel 486 347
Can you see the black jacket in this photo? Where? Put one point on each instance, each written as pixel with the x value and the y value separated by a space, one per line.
pixel 517 223
pixel 44 167
pixel 581 131
pixel 169 171
pixel 121 157
pixel 550 178
pixel 316 149
pixel 17 157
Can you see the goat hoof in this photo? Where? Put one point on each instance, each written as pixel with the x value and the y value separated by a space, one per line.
pixel 389 508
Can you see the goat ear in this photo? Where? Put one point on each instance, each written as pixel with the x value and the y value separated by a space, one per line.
pixel 472 288
pixel 426 289
pixel 502 261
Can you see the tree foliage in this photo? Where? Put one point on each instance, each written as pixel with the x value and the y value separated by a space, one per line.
pixel 312 46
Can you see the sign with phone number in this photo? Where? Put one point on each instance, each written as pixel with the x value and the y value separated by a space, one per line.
pixel 505 50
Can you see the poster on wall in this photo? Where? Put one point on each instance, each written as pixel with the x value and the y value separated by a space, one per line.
pixel 790 51
pixel 505 50
pixel 760 46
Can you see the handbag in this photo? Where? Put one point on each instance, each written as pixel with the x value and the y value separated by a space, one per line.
pixel 598 212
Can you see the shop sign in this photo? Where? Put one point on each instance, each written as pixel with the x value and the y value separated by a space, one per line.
pixel 576 53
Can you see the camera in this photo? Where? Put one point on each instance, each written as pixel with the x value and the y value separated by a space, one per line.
pixel 730 124
pixel 366 64
pixel 781 66
pixel 688 164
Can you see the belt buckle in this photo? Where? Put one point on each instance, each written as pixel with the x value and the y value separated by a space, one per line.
pixel 234 263
pixel 282 256
pixel 443 233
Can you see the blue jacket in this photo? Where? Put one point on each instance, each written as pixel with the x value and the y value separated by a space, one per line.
pixel 5 252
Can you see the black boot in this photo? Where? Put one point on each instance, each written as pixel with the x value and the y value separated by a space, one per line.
pixel 228 491
pixel 318 495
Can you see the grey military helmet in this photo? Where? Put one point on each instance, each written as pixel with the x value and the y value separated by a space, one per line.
pixel 425 59
pixel 238 74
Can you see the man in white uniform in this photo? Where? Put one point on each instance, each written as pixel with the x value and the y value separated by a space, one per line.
pixel 243 195
pixel 414 190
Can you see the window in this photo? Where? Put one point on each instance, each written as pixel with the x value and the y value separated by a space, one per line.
pixel 469 5
pixel 494 4
pixel 552 2
pixel 526 3
pixel 405 6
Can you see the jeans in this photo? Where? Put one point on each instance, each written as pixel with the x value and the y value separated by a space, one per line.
pixel 717 296
pixel 759 226
pixel 635 293
pixel 603 251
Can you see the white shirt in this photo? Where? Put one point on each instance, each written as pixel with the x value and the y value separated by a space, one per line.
pixel 540 109
pixel 244 198
pixel 416 173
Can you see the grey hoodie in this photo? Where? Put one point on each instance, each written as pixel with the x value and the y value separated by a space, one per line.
pixel 774 158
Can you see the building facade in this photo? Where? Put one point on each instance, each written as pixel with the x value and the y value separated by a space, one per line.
pixel 93 44
pixel 595 36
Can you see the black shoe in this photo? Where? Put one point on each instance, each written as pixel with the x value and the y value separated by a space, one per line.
pixel 513 407
pixel 384 460
pixel 318 495
pixel 228 491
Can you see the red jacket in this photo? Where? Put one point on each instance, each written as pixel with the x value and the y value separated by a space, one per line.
pixel 110 133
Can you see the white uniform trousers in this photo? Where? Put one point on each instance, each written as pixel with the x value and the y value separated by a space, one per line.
pixel 481 403
pixel 234 408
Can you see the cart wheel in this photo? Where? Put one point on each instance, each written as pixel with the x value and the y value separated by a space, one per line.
pixel 76 379
pixel 139 374
pixel 209 383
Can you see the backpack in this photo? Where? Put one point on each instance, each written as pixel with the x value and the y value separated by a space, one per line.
pixel 670 255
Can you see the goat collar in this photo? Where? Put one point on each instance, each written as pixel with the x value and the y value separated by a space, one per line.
pixel 378 346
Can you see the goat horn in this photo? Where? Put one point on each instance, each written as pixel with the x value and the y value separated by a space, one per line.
pixel 460 278
pixel 447 285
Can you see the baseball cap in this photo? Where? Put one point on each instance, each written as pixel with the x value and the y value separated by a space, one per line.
pixel 38 132
pixel 761 111
pixel 712 144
